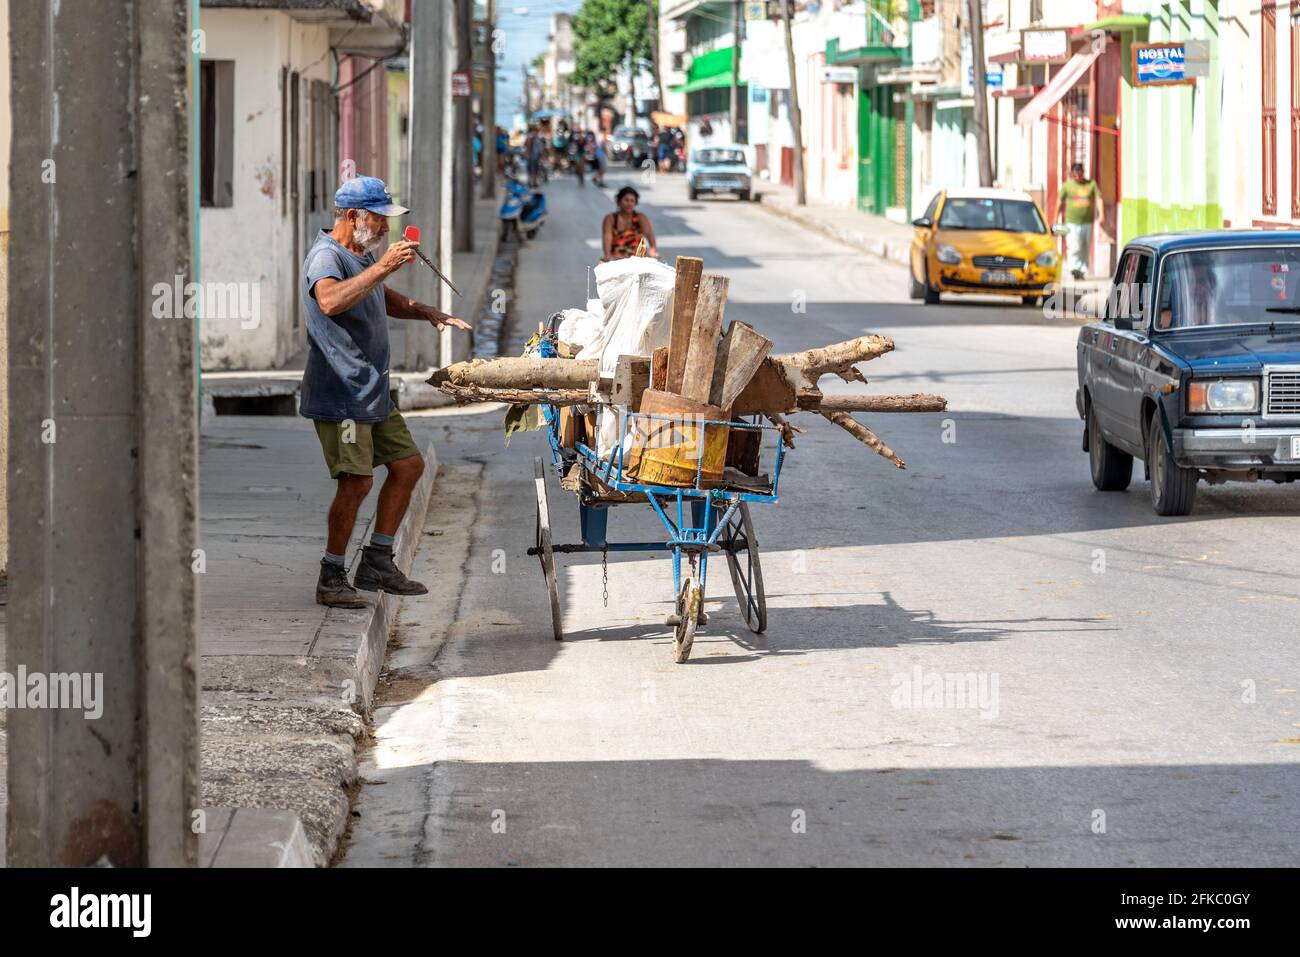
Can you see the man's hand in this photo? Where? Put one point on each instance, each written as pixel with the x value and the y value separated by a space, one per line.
pixel 441 320
pixel 398 254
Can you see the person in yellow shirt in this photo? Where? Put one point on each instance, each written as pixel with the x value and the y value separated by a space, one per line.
pixel 1080 208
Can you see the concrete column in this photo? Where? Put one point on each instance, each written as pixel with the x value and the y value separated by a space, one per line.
pixel 103 464
pixel 463 151
pixel 429 168
pixel 488 184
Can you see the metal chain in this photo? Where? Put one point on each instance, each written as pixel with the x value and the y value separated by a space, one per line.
pixel 604 574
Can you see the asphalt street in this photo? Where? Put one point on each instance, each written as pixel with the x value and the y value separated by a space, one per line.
pixel 1135 677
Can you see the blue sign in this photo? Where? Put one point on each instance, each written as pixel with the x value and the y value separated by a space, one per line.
pixel 1160 63
pixel 992 78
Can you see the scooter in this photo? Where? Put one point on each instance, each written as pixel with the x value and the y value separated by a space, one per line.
pixel 524 210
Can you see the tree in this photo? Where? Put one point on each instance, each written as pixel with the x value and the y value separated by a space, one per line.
pixel 608 34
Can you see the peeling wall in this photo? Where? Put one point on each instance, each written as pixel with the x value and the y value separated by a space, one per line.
pixel 252 241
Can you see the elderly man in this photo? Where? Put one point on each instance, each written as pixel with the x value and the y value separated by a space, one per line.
pixel 345 386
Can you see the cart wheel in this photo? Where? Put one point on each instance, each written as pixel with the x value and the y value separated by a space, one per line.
pixel 689 602
pixel 544 549
pixel 746 572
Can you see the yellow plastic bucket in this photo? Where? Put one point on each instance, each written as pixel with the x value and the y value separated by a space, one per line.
pixel 677 448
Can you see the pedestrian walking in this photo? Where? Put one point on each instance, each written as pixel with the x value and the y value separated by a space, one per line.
pixel 346 307
pixel 1080 208
pixel 601 160
pixel 622 230
pixel 535 150
pixel 664 149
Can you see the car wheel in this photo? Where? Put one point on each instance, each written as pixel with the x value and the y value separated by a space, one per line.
pixel 1173 488
pixel 695 193
pixel 914 289
pixel 928 292
pixel 743 195
pixel 1112 469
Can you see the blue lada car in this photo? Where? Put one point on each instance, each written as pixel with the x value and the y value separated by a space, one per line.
pixel 1195 366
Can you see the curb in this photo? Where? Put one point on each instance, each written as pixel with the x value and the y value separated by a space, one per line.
pixel 335 680
pixel 364 646
pixel 254 837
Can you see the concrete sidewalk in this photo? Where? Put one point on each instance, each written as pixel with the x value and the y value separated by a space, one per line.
pixel 285 681
pixel 892 242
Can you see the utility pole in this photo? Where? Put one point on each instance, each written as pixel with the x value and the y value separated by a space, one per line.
pixel 652 34
pixel 104 439
pixel 430 175
pixel 462 216
pixel 981 93
pixel 489 179
pixel 796 117
pixel 735 73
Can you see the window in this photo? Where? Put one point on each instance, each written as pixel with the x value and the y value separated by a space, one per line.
pixel 1226 286
pixel 1003 214
pixel 217 134
pixel 1268 104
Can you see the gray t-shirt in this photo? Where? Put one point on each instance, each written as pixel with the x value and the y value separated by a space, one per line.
pixel 347 361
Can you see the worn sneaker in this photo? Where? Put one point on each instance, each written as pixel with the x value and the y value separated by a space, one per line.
pixel 378 572
pixel 333 589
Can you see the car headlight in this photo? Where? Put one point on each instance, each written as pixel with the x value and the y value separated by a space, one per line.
pixel 947 255
pixel 1048 258
pixel 1223 395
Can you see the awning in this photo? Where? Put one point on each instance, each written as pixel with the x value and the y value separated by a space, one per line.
pixel 704 83
pixel 1057 87
pixel 678 120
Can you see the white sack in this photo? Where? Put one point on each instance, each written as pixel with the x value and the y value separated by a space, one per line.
pixel 637 296
pixel 579 328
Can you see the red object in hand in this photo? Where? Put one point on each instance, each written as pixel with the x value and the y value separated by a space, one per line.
pixel 411 234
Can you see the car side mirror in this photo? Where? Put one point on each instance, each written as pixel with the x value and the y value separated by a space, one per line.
pixel 922 222
pixel 1059 229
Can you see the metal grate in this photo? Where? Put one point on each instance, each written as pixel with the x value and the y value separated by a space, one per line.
pixel 999 262
pixel 1284 393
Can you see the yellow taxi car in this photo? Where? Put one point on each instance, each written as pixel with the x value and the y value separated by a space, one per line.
pixel 983 240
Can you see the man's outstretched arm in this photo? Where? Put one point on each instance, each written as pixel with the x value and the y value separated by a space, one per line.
pixel 404 307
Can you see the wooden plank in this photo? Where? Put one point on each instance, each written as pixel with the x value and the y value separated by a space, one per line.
pixel 685 293
pixel 631 379
pixel 768 391
pixel 659 369
pixel 703 352
pixel 740 353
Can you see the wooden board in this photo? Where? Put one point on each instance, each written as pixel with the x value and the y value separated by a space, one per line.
pixel 703 352
pixel 685 292
pixel 740 353
pixel 659 369
pixel 631 379
pixel 769 390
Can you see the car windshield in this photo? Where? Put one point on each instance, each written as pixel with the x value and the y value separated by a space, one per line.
pixel 716 156
pixel 1223 287
pixel 1016 216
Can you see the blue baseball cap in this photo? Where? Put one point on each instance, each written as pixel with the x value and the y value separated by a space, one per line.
pixel 367 192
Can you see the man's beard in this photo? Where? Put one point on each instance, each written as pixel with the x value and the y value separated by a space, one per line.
pixel 365 237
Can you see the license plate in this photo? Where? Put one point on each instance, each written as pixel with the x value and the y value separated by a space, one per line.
pixel 1295 447
pixel 997 277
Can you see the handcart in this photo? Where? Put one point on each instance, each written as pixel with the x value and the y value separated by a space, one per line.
pixel 701 517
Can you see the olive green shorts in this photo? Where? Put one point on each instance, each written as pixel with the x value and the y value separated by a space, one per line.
pixel 358 448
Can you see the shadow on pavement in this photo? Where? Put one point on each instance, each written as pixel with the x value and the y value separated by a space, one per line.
pixel 710 812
